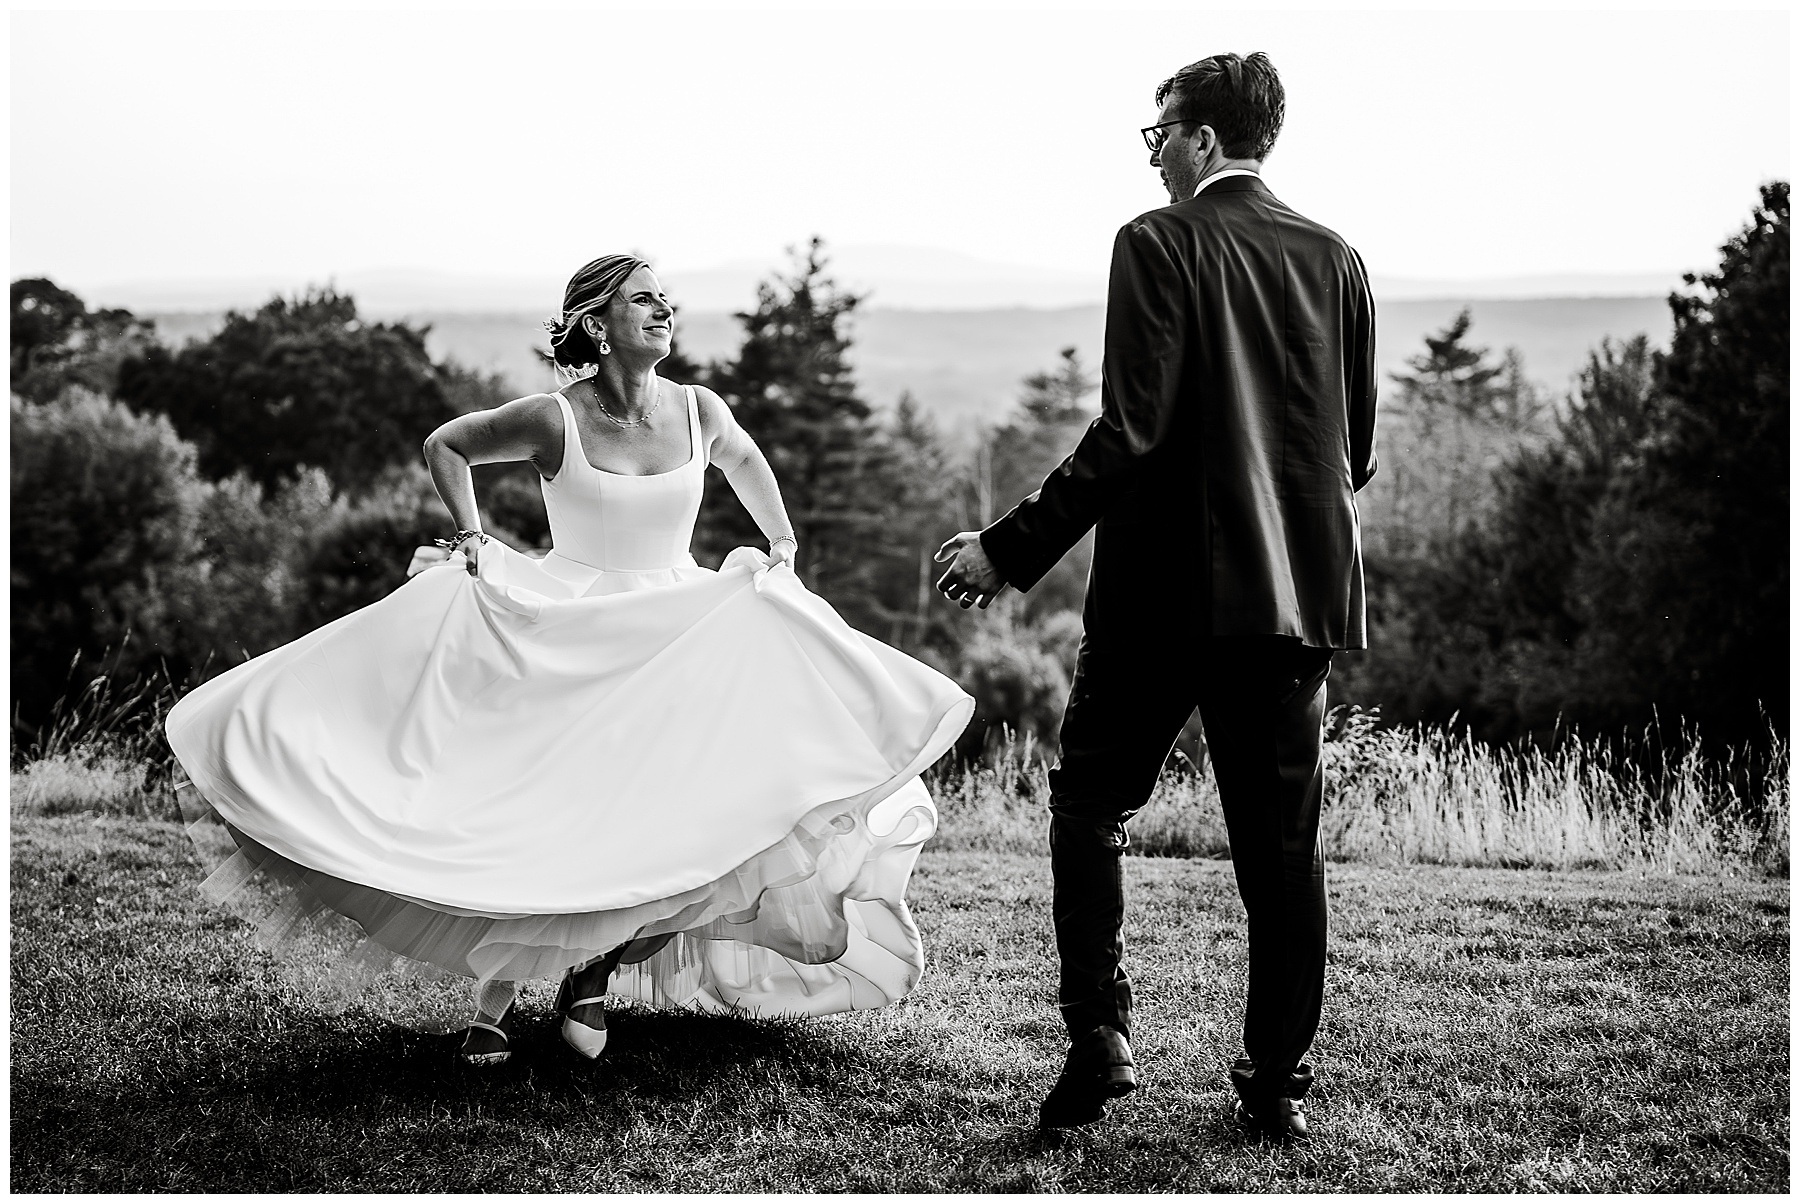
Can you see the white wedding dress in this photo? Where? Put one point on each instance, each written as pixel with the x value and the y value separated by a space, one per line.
pixel 505 775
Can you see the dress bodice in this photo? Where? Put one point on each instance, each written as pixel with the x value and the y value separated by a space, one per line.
pixel 624 524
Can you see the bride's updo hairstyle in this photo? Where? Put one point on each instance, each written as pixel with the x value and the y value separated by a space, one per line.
pixel 571 348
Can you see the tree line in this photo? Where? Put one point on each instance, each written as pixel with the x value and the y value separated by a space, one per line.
pixel 1531 561
pixel 177 510
pixel 1614 561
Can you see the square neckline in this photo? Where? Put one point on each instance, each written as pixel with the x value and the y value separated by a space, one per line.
pixel 572 433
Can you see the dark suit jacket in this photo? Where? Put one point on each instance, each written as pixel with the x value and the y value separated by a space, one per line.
pixel 1237 416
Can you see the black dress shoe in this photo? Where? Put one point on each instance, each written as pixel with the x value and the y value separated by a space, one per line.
pixel 1098 1068
pixel 1282 1116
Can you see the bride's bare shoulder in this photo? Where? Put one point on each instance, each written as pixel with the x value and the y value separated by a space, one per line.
pixel 534 421
pixel 536 409
pixel 715 415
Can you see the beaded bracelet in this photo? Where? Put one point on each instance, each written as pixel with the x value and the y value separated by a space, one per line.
pixel 459 539
pixel 783 539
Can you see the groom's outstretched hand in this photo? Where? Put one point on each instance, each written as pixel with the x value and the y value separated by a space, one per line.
pixel 971 578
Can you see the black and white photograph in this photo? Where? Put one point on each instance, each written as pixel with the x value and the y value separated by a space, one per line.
pixel 912 600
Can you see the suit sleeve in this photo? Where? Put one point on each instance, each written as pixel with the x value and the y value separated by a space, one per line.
pixel 1140 378
pixel 1362 378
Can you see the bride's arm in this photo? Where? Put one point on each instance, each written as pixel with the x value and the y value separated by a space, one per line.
pixel 732 451
pixel 518 430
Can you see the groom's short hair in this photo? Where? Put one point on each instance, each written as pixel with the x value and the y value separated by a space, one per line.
pixel 1241 98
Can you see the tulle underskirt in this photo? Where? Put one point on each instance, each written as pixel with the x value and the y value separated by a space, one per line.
pixel 815 924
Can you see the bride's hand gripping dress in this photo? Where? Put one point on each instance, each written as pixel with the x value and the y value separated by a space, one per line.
pixel 508 773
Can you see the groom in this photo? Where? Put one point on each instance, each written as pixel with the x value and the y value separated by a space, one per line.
pixel 1237 422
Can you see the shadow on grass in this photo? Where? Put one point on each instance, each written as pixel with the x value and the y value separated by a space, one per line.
pixel 314 1103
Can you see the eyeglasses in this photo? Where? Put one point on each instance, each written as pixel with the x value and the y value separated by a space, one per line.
pixel 1156 135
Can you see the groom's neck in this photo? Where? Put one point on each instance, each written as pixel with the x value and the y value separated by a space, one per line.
pixel 1214 168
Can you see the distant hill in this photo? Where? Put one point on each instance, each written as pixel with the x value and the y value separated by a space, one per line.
pixel 892 277
pixel 888 277
pixel 965 366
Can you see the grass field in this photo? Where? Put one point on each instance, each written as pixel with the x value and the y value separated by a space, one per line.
pixel 1486 1030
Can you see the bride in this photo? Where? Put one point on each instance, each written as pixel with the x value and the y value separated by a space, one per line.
pixel 611 765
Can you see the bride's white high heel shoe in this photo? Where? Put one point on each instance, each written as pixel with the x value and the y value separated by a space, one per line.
pixel 585 1039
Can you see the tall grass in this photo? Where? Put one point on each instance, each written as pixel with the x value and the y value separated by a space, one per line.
pixel 101 749
pixel 1430 795
pixel 1392 795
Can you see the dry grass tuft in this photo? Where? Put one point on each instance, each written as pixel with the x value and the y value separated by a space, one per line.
pixel 102 751
pixel 84 778
pixel 1430 796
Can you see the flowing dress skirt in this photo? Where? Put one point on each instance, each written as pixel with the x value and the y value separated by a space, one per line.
pixel 502 776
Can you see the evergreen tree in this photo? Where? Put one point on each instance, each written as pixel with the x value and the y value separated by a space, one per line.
pixel 1430 578
pixel 1458 415
pixel 921 512
pixel 1450 375
pixel 1054 410
pixel 1549 494
pixel 1059 398
pixel 1685 595
pixel 791 387
pixel 1634 566
pixel 1519 575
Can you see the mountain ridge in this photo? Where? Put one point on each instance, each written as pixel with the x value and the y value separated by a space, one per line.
pixel 965 366
pixel 891 276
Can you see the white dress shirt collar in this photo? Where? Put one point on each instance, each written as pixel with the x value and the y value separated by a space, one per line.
pixel 1223 175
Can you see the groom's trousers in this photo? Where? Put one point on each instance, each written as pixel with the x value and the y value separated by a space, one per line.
pixel 1141 672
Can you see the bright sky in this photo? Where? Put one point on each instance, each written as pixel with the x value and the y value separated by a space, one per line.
pixel 1442 144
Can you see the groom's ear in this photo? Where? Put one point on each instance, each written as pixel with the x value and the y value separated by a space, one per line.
pixel 1206 141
